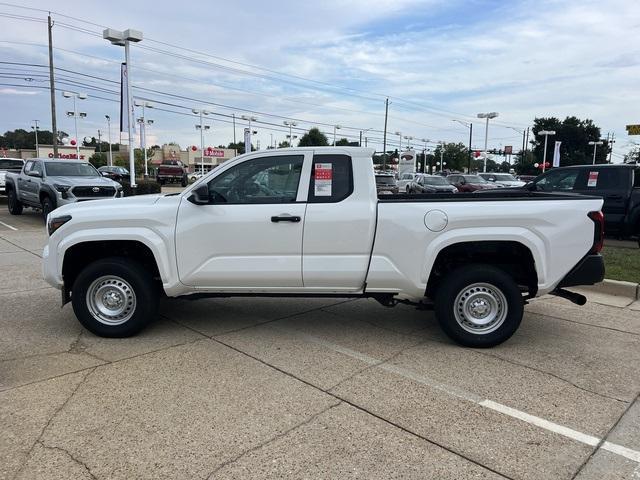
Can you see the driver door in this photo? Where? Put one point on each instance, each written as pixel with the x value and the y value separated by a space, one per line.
pixel 249 235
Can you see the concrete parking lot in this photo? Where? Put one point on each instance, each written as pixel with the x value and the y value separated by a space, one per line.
pixel 313 388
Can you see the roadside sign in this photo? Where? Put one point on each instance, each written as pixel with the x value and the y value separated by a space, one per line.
pixel 633 129
pixel 508 149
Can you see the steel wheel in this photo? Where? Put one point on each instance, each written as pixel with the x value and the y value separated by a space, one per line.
pixel 111 300
pixel 480 308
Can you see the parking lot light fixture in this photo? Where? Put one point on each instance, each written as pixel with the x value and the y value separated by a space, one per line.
pixel 595 147
pixel 247 139
pixel 335 127
pixel 290 125
pixel 400 137
pixel 408 138
pixel 116 37
pixel 143 132
pixel 75 114
pixel 486 116
pixel 546 134
pixel 109 138
pixel 202 127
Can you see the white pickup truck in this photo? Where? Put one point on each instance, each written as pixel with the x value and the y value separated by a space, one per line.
pixel 308 222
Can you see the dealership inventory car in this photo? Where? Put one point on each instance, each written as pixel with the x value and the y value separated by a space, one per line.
pixel 470 183
pixel 8 165
pixel 386 183
pixel 119 174
pixel 405 181
pixel 431 184
pixel 308 222
pixel 504 179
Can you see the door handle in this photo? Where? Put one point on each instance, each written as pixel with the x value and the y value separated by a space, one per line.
pixel 285 218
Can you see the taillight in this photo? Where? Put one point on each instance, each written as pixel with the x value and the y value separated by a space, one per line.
pixel 598 232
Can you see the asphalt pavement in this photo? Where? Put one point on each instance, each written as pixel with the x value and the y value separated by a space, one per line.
pixel 311 388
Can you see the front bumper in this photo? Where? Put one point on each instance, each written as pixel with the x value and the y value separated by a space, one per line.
pixel 588 271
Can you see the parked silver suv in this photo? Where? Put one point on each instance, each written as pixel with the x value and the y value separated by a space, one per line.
pixel 48 184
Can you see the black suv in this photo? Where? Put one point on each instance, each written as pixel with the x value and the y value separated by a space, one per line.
pixel 618 185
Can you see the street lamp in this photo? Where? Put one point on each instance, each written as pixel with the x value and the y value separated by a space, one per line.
pixel 546 134
pixel 408 139
pixel 595 146
pixel 335 127
pixel 247 133
pixel 109 133
pixel 119 38
pixel 35 129
pixel 424 152
pixel 365 138
pixel 143 132
pixel 486 134
pixel 400 137
pixel 202 127
pixel 291 139
pixel 290 125
pixel 470 127
pixel 75 114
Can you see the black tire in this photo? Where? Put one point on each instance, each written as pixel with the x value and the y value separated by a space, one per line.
pixel 489 286
pixel 13 204
pixel 184 182
pixel 408 189
pixel 141 308
pixel 160 181
pixel 47 206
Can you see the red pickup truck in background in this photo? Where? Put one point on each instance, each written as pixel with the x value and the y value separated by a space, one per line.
pixel 172 171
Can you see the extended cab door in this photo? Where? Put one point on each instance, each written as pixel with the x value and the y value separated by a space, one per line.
pixel 249 236
pixel 339 225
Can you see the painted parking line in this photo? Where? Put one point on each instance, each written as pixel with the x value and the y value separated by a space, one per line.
pixel 581 437
pixel 8 226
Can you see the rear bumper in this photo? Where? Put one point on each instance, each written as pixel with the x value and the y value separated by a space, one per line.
pixel 588 271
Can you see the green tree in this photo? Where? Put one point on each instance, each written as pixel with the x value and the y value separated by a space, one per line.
pixel 455 155
pixel 313 138
pixel 283 144
pixel 26 139
pixel 633 156
pixel 575 135
pixel 343 142
pixel 239 147
pixel 98 159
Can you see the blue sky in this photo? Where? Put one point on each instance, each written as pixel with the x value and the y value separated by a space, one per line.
pixel 437 60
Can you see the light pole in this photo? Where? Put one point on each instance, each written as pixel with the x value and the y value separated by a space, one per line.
pixel 109 138
pixel 290 125
pixel 291 139
pixel 119 38
pixel 441 156
pixel 408 139
pixel 335 127
pixel 202 127
pixel 247 138
pixel 470 127
pixel 488 116
pixel 365 138
pixel 595 146
pixel 546 134
pixel 400 137
pixel 35 129
pixel 424 152
pixel 143 133
pixel 75 114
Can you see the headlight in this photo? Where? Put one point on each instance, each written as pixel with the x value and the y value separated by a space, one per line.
pixel 56 222
pixel 455 190
pixel 63 189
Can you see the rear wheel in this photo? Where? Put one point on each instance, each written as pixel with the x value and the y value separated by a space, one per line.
pixel 184 181
pixel 14 205
pixel 479 306
pixel 114 297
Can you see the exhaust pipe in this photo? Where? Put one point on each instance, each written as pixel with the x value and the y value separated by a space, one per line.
pixel 576 298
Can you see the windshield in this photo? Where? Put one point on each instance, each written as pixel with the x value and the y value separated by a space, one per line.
pixel 435 181
pixel 474 179
pixel 10 164
pixel 385 180
pixel 70 169
pixel 505 177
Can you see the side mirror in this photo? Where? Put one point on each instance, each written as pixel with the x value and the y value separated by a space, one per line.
pixel 200 196
pixel 35 174
pixel 104 174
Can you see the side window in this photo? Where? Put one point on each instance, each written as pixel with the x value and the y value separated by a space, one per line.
pixel 608 179
pixel 331 179
pixel 558 180
pixel 259 181
pixel 37 167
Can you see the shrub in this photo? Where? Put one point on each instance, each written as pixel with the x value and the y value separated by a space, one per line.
pixel 144 187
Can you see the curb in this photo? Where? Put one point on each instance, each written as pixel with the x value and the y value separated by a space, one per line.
pixel 616 288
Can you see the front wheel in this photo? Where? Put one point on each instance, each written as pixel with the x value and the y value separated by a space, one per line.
pixel 47 207
pixel 184 181
pixel 479 306
pixel 114 297
pixel 14 205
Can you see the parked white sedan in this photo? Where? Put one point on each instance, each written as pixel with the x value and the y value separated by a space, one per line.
pixel 504 179
pixel 405 180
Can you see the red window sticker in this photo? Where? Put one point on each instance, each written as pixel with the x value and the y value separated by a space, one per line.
pixel 593 179
pixel 323 178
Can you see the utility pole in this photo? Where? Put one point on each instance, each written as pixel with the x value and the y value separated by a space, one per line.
pixel 35 129
pixel 52 87
pixel 611 142
pixel 360 142
pixel 526 144
pixel 99 142
pixel 234 128
pixel 109 138
pixel 384 140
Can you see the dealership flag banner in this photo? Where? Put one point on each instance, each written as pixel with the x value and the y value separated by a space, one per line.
pixel 556 155
pixel 124 100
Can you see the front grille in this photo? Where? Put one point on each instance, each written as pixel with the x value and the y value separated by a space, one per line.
pixel 92 193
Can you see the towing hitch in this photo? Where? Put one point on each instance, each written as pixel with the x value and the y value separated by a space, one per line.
pixel 576 298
